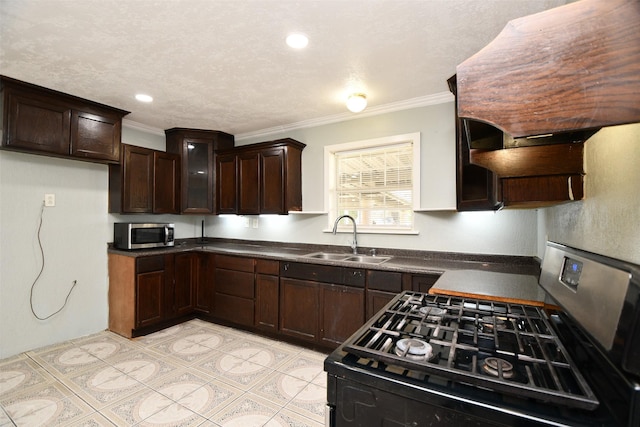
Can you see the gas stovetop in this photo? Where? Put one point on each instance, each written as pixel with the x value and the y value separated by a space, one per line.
pixel 509 348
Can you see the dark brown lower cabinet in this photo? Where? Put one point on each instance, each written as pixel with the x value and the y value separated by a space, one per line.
pixel 150 291
pixel 325 310
pixel 234 295
pixel 423 282
pixel 376 300
pixel 267 294
pixel 205 284
pixel 299 308
pixel 342 313
pixel 185 277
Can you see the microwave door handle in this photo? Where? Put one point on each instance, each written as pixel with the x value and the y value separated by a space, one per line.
pixel 166 235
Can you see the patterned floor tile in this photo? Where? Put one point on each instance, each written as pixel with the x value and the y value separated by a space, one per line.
pixel 305 366
pixel 48 405
pixel 20 373
pixel 197 345
pixel 310 402
pixel 135 408
pixel 194 374
pixel 174 415
pixel 247 411
pixel 279 387
pixel 286 418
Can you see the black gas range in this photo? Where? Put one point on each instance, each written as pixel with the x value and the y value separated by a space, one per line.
pixel 429 360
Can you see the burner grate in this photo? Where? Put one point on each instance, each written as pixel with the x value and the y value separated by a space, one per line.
pixel 523 354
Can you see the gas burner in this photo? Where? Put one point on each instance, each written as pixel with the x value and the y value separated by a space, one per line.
pixel 432 313
pixel 414 349
pixel 488 322
pixel 494 366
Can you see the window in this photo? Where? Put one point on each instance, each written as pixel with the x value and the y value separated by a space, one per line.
pixel 374 181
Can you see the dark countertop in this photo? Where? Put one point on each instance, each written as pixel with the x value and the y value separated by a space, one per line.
pixel 509 278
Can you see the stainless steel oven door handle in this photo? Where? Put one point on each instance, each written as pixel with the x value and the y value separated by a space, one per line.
pixel 166 235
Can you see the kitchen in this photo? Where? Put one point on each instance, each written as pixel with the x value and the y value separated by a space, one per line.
pixel 605 222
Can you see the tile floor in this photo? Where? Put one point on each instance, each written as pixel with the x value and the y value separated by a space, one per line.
pixel 193 374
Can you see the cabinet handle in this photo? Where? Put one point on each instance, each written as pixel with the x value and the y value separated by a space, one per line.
pixel 285 267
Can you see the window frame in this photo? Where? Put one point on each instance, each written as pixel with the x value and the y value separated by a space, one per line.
pixel 330 180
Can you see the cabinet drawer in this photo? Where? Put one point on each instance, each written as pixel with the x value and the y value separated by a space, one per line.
pixel 238 283
pixel 389 281
pixel 353 277
pixel 234 263
pixel 265 266
pixel 149 263
pixel 323 273
pixel 234 309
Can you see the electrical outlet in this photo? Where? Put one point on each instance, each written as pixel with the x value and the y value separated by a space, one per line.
pixel 254 222
pixel 50 200
pixel 246 221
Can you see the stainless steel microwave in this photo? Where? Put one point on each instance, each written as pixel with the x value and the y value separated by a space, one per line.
pixel 130 235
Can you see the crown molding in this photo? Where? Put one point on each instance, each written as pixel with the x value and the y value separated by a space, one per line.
pixel 423 101
pixel 142 127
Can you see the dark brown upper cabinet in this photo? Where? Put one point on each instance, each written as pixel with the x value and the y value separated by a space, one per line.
pixel 477 188
pixel 264 178
pixel 495 170
pixel 146 181
pixel 43 121
pixel 196 150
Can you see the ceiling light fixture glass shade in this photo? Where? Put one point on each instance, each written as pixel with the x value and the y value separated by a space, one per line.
pixel 357 102
pixel 297 40
pixel 144 98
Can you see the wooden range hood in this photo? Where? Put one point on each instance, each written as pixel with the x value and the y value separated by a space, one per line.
pixel 545 85
pixel 569 68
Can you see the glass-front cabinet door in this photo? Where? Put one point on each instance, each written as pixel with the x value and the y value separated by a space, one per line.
pixel 199 190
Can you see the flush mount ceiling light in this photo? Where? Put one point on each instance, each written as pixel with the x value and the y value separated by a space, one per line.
pixel 144 98
pixel 357 102
pixel 297 40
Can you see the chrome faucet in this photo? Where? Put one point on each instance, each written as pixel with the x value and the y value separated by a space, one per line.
pixel 354 244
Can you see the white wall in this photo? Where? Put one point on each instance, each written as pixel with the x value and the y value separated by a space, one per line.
pixel 74 234
pixel 508 232
pixel 607 221
pixel 76 231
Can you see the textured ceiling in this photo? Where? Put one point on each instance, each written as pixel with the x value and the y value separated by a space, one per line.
pixel 215 64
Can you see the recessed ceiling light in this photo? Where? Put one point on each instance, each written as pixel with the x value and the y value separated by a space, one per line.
pixel 297 40
pixel 144 98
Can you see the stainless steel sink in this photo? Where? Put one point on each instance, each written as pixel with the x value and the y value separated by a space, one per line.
pixel 348 257
pixel 367 259
pixel 327 256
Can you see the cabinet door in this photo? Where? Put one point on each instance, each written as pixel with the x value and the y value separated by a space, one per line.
pixel 299 308
pixel 150 298
pixel 423 282
pixel 197 182
pixel 137 180
pixel 37 123
pixel 376 300
pixel 266 316
pixel 95 136
pixel 272 188
pixel 226 184
pixel 185 275
pixel 205 283
pixel 342 313
pixel 248 183
pixel 166 183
